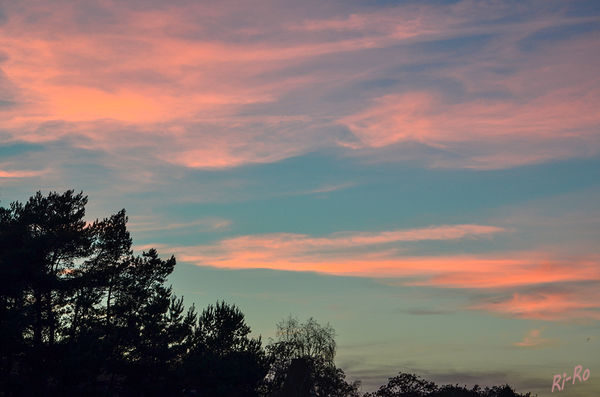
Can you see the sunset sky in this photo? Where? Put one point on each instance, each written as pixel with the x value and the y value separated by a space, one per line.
pixel 423 175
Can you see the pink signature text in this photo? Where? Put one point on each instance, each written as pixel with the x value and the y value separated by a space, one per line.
pixel 559 380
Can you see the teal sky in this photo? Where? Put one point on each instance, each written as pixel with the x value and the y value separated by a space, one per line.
pixel 424 176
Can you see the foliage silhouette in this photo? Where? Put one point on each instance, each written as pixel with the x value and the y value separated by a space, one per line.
pixel 411 385
pixel 223 359
pixel 302 358
pixel 80 314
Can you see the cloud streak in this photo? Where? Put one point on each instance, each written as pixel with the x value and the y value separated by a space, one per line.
pixel 172 82
pixel 19 174
pixel 142 94
pixel 581 304
pixel 208 224
pixel 540 127
pixel 385 256
pixel 533 339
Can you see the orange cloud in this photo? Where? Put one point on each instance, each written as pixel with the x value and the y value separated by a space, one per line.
pixel 146 68
pixel 378 255
pixel 473 272
pixel 383 256
pixel 289 251
pixel 527 270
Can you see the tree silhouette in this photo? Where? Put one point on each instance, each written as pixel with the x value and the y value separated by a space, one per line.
pixel 302 361
pixel 79 311
pixel 80 314
pixel 43 242
pixel 224 360
pixel 406 385
pixel 411 385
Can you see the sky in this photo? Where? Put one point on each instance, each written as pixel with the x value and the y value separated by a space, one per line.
pixel 423 175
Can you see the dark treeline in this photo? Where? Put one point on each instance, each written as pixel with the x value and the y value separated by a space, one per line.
pixel 82 315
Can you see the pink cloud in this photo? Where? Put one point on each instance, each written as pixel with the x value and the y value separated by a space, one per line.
pixel 206 224
pixel 549 306
pixel 73 76
pixel 146 81
pixel 380 255
pixel 396 23
pixel 545 110
pixel 533 339
pixel 342 240
pixel 185 82
pixel 358 253
pixel 490 125
pixel 20 174
pixel 383 256
pixel 528 269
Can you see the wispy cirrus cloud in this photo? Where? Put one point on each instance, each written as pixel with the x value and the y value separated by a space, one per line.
pixel 175 85
pixel 385 256
pixel 541 115
pixel 339 253
pixel 550 303
pixel 533 339
pixel 342 240
pixel 150 104
pixel 290 251
pixel 19 174
pixel 154 90
pixel 206 224
pixel 381 255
